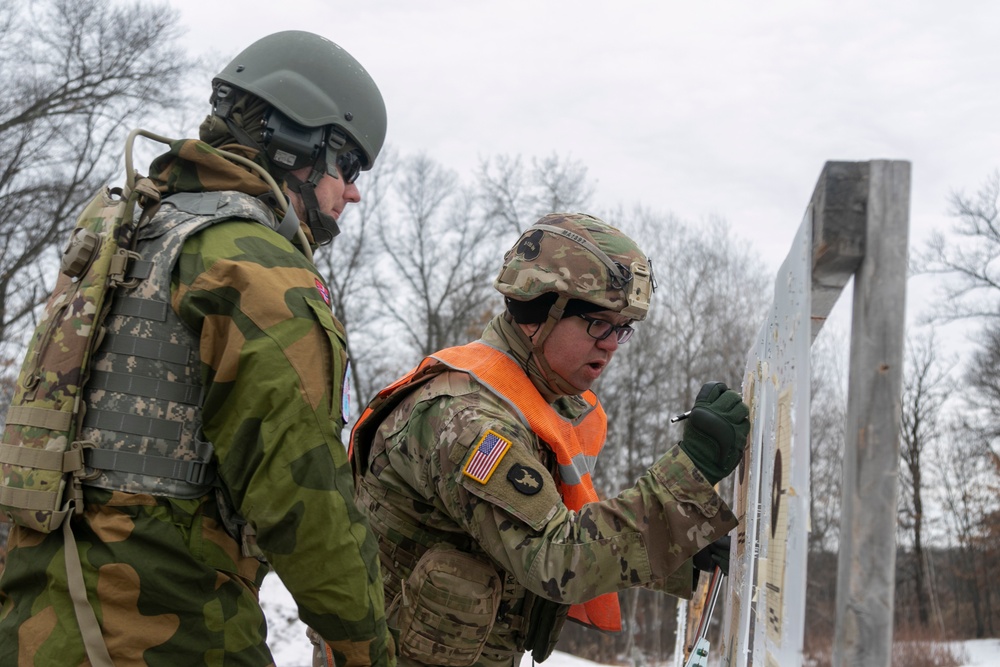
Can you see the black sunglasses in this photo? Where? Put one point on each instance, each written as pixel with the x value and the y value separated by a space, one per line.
pixel 601 329
pixel 348 163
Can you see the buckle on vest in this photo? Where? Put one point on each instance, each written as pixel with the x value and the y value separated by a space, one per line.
pixel 118 271
pixel 199 473
pixel 85 472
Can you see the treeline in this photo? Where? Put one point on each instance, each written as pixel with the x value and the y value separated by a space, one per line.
pixel 413 270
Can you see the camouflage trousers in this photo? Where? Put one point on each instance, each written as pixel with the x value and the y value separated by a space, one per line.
pixel 167 583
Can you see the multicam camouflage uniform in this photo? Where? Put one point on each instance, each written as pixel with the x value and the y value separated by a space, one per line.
pixel 263 376
pixel 412 488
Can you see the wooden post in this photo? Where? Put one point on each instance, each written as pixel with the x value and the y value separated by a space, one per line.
pixel 867 559
pixel 855 226
pixel 839 219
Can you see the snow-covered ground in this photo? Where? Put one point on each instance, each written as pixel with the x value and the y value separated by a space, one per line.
pixel 980 652
pixel 287 637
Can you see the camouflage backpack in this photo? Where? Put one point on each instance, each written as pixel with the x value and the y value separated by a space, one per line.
pixel 41 458
pixel 41 462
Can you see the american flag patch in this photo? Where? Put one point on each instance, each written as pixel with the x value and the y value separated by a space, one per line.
pixel 486 457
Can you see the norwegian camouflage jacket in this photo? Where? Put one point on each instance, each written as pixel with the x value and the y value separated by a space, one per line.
pixel 217 394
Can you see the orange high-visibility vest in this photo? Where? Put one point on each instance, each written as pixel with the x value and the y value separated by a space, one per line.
pixel 576 446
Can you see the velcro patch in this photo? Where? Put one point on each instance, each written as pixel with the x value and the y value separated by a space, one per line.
pixel 486 456
pixel 526 480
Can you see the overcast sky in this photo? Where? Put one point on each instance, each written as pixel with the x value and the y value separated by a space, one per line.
pixel 699 108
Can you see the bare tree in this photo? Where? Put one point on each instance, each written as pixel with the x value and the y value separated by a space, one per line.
pixel 968 472
pixel 714 294
pixel 970 256
pixel 982 374
pixel 560 185
pixel 926 388
pixel 827 419
pixel 440 257
pixel 514 197
pixel 75 74
pixel 502 183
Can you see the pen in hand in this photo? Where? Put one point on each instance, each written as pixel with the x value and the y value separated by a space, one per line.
pixel 683 415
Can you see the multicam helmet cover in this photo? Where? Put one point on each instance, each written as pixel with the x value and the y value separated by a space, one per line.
pixel 580 257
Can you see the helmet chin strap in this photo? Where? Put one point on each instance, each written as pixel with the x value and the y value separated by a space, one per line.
pixel 324 227
pixel 537 341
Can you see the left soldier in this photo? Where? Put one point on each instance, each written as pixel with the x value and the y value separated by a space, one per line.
pixel 217 398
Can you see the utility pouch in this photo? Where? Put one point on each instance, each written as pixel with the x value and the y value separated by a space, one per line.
pixel 41 462
pixel 447 608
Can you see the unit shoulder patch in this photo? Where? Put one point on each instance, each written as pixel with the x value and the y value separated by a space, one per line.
pixel 486 456
pixel 526 480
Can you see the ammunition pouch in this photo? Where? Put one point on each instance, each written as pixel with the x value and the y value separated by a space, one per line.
pixel 447 608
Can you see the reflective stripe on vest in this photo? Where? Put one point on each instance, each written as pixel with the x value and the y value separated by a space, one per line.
pixel 576 446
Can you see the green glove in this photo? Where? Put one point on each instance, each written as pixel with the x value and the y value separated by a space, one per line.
pixel 715 554
pixel 545 622
pixel 716 431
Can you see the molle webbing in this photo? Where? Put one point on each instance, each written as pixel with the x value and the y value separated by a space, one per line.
pixel 144 395
pixel 402 540
pixel 41 461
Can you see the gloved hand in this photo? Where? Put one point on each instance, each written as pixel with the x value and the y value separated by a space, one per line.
pixel 544 625
pixel 716 553
pixel 715 433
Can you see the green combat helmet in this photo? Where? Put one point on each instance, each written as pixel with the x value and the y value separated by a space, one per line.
pixel 568 263
pixel 326 111
pixel 577 256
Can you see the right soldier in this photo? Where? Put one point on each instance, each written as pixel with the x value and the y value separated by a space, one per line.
pixel 475 468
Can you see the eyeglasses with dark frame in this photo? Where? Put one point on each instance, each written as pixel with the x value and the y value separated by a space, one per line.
pixel 601 329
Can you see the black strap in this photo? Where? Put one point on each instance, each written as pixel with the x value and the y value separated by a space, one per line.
pixel 324 227
pixel 139 269
pixel 192 471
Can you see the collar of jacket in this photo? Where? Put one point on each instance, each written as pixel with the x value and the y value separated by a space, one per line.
pixel 501 334
pixel 194 166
